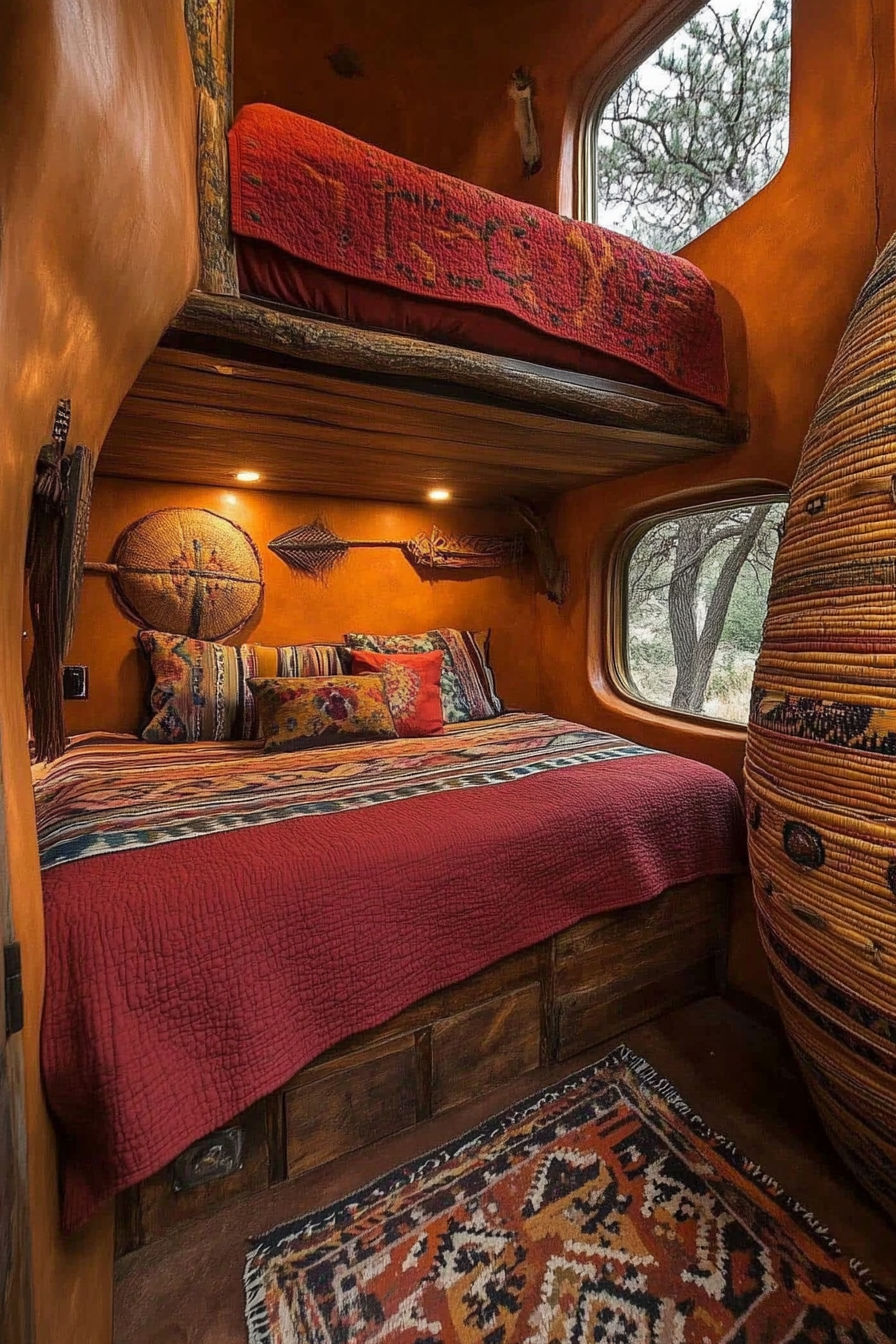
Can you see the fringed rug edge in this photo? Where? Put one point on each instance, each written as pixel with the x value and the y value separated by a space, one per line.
pixel 493 1128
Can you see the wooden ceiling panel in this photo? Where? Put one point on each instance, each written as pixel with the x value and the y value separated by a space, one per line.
pixel 199 418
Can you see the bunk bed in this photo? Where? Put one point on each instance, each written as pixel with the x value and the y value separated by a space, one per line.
pixel 634 413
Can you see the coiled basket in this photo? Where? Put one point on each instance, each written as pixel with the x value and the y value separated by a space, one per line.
pixel 821 749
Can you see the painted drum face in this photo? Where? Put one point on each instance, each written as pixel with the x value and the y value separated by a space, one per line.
pixel 188 572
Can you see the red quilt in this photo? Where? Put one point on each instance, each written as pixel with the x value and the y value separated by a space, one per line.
pixel 216 918
pixel 340 204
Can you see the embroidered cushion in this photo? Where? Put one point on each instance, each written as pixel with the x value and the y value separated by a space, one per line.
pixel 467 681
pixel 200 690
pixel 300 712
pixel 412 682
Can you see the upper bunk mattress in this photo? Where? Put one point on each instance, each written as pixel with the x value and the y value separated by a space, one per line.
pixel 331 224
pixel 216 916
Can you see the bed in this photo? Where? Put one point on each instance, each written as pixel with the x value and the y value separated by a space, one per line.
pixel 217 919
pixel 331 225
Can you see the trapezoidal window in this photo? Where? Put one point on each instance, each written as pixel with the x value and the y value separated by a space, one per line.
pixel 693 590
pixel 700 127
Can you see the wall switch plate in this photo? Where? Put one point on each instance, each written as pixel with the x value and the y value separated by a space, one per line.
pixel 74 682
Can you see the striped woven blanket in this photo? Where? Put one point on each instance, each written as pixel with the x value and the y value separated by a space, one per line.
pixel 108 794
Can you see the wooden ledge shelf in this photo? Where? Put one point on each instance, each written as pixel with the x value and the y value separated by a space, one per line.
pixel 335 410
pixel 681 421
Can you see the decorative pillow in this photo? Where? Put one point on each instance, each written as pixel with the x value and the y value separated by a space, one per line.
pixel 200 690
pixel 300 712
pixel 467 683
pixel 412 682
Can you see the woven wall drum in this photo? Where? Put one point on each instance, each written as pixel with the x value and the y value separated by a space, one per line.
pixel 821 749
pixel 188 572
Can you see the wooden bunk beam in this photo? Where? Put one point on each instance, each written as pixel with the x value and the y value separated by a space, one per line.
pixel 210 31
pixel 688 428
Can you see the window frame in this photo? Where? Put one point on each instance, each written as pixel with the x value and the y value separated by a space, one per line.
pixel 633 46
pixel 616 594
pixel 632 49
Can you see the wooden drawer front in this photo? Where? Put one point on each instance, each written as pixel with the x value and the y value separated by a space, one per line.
pixel 155 1207
pixel 485 1047
pixel 636 946
pixel 590 1016
pixel 342 1111
pixel 501 978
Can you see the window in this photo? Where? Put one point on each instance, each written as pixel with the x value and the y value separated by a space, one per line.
pixel 697 129
pixel 694 588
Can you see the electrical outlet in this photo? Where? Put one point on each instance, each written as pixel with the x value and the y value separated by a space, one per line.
pixel 74 682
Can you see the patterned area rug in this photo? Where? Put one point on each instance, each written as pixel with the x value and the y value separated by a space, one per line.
pixel 600 1209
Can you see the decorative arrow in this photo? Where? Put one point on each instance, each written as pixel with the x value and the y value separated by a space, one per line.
pixel 315 549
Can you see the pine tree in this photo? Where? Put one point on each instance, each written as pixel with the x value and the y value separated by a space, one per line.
pixel 695 132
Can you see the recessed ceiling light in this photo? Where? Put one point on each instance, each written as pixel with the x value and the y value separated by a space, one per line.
pixel 248 476
pixel 438 496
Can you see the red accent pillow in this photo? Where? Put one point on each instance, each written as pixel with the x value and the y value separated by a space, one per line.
pixel 413 688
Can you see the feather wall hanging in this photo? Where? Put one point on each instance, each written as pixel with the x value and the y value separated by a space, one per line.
pixel 314 549
pixel 522 91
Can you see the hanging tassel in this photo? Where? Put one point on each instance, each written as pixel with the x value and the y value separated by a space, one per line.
pixel 73 540
pixel 43 686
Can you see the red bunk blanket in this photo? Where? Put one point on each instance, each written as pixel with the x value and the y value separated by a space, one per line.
pixel 215 918
pixel 343 208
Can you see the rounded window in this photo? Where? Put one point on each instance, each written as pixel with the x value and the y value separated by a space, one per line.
pixel 696 130
pixel 692 590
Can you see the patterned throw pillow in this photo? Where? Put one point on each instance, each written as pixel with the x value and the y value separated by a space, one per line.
pixel 300 712
pixel 412 682
pixel 468 683
pixel 200 690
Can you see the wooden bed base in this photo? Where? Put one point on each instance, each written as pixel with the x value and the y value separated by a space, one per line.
pixel 544 1004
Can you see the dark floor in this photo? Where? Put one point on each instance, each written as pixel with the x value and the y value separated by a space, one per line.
pixel 733 1070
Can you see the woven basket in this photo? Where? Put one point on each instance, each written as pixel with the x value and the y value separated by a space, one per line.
pixel 821 750
pixel 188 572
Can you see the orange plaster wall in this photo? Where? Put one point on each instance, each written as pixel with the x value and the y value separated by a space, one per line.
pixel 374 590
pixel 787 266
pixel 434 87
pixel 97 201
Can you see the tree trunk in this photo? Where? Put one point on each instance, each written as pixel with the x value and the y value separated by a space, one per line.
pixel 683 607
pixel 694 655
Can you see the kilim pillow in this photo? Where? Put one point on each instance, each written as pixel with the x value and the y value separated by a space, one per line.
pixel 200 690
pixel 467 681
pixel 412 682
pixel 300 712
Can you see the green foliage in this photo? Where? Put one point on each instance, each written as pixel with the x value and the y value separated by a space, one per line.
pixel 700 127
